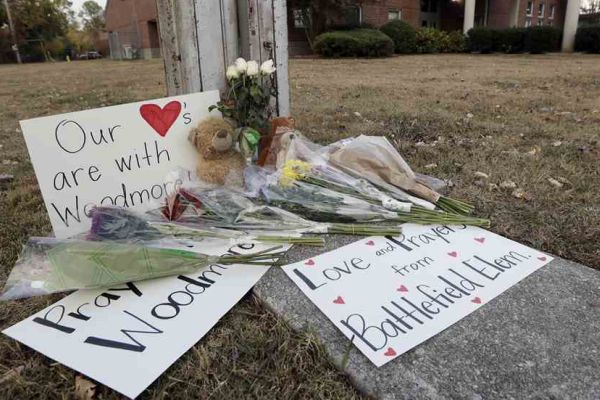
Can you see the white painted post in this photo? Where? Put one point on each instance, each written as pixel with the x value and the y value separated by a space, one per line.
pixel 514 13
pixel 469 20
pixel 570 27
pixel 199 39
pixel 281 58
pixel 263 28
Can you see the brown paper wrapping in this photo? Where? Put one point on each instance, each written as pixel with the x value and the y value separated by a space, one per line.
pixel 376 159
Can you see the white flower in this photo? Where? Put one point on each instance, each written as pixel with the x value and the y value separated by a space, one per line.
pixel 252 68
pixel 267 67
pixel 232 72
pixel 241 65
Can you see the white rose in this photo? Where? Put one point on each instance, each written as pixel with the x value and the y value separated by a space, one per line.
pixel 267 67
pixel 252 68
pixel 241 65
pixel 232 72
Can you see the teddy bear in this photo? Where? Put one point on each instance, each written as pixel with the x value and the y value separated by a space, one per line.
pixel 219 162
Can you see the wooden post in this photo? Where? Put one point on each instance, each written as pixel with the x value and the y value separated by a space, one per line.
pixel 199 39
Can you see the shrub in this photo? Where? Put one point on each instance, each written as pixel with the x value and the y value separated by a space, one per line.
pixel 542 39
pixel 349 27
pixel 537 39
pixel 587 39
pixel 456 42
pixel 482 40
pixel 511 40
pixel 354 43
pixel 403 35
pixel 430 40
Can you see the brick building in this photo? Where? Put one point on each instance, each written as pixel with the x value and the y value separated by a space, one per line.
pixel 447 15
pixel 132 28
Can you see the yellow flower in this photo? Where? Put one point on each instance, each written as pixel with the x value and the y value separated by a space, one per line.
pixel 293 170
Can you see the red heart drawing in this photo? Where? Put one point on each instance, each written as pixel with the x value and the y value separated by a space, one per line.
pixel 402 288
pixel 339 300
pixel 370 243
pixel 309 262
pixel 161 119
pixel 453 254
pixel 542 258
pixel 476 300
pixel 390 352
pixel 480 240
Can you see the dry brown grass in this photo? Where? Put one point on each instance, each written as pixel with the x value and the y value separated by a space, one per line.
pixel 518 103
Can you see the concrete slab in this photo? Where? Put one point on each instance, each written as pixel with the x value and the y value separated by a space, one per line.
pixel 538 340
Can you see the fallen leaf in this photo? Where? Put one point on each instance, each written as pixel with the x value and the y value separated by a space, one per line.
pixel 535 150
pixel 555 183
pixel 521 194
pixel 508 185
pixel 84 389
pixel 431 166
pixel 563 180
pixel 480 174
pixel 556 143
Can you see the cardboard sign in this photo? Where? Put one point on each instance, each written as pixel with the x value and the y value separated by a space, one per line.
pixel 390 294
pixel 125 337
pixel 118 155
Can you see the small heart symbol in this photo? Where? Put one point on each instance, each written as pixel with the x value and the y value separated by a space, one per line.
pixel 542 258
pixel 390 352
pixel 161 119
pixel 476 300
pixel 339 300
pixel 309 262
pixel 402 288
pixel 453 254
pixel 370 243
pixel 480 240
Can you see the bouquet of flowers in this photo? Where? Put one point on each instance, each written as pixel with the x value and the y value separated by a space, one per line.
pixel 329 167
pixel 49 265
pixel 248 100
pixel 234 210
pixel 375 159
pixel 116 223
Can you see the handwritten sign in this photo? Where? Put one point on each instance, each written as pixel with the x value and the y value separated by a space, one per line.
pixel 118 155
pixel 390 294
pixel 125 337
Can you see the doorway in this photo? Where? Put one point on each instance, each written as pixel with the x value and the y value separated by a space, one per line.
pixel 430 13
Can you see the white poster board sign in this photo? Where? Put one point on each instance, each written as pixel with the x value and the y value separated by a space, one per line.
pixel 119 155
pixel 125 337
pixel 390 294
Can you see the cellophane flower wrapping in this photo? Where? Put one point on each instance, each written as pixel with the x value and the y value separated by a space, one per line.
pixel 49 265
pixel 374 158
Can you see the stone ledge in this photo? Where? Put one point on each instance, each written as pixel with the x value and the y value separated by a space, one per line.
pixel 539 339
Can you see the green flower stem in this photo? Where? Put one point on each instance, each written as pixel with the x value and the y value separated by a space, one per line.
pixel 364 229
pixel 304 240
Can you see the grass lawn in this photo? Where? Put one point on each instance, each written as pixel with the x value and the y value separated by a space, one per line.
pixel 532 120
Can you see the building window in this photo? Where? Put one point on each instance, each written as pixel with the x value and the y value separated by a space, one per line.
pixel 552 11
pixel 527 22
pixel 540 22
pixel 529 10
pixel 300 16
pixel 394 15
pixel 429 6
pixel 541 10
pixel 353 16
